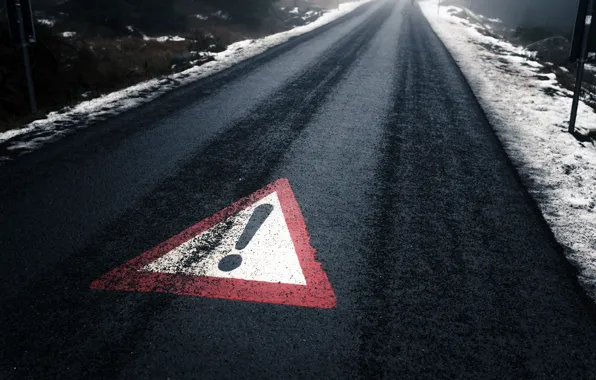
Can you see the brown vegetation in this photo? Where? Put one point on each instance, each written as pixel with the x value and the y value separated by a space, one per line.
pixel 109 52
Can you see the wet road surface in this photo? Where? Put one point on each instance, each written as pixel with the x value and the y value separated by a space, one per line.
pixel 440 262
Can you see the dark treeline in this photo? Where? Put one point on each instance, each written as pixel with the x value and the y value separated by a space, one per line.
pixel 556 14
pixel 157 16
pixel 109 51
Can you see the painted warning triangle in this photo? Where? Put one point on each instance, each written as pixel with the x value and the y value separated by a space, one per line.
pixel 256 250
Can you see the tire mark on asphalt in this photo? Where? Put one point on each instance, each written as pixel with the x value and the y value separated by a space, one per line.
pixel 409 205
pixel 381 253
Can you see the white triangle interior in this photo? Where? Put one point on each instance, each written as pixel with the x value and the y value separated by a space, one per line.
pixel 270 255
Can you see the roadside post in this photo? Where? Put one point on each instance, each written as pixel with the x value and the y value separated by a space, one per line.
pixel 22 30
pixel 584 42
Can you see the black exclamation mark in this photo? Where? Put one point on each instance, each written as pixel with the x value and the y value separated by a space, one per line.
pixel 258 217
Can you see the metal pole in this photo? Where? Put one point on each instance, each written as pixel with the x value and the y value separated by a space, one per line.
pixel 24 45
pixel 580 67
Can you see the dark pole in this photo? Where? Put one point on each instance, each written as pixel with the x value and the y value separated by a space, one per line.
pixel 580 67
pixel 24 47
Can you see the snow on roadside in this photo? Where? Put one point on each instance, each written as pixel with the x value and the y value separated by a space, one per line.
pixel 221 15
pixel 164 38
pixel 529 111
pixel 59 123
pixel 46 21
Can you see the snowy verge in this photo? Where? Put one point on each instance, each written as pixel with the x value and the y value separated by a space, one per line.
pixel 56 124
pixel 529 111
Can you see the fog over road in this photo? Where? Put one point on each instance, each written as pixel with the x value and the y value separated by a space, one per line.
pixel 441 264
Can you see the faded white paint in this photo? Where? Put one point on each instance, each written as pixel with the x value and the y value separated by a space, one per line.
pixel 270 256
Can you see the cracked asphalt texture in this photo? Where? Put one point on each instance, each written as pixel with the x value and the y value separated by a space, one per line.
pixel 441 263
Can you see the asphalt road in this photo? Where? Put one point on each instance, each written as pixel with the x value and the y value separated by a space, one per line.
pixel 441 264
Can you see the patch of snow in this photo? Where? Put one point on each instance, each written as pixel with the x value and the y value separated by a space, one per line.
pixel 530 54
pixel 559 171
pixel 295 11
pixel 46 21
pixel 174 38
pixel 220 15
pixel 69 119
pixel 69 34
pixel 130 28
pixel 202 17
pixel 164 38
pixel 473 15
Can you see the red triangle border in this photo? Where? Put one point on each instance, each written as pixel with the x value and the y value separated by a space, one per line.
pixel 317 293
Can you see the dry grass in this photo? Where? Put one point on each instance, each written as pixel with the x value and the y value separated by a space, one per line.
pixel 67 71
pixel 127 60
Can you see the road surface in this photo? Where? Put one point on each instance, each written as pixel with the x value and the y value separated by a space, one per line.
pixel 440 262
